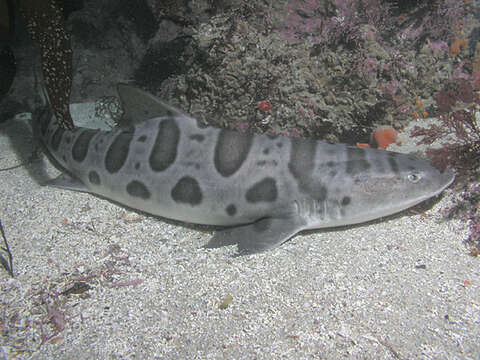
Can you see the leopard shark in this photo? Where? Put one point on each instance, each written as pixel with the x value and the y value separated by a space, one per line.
pixel 262 189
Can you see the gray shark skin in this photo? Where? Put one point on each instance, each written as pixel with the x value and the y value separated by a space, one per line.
pixel 265 188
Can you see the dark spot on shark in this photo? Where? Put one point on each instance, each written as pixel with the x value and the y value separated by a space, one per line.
pixel 356 160
pixel 320 193
pixel 81 145
pixel 393 165
pixel 346 200
pixel 137 165
pixel 266 151
pixel 279 145
pixel 187 191
pixel 272 137
pixel 94 178
pixel 302 157
pixel 330 163
pixel 117 152
pixel 392 161
pixel 231 210
pixel 332 173
pixel 301 165
pixel 142 138
pixel 231 150
pixel 379 165
pixel 357 166
pixel 164 151
pixel 57 138
pixel 137 189
pixel 64 158
pixel 264 190
pixel 68 138
pixel 197 137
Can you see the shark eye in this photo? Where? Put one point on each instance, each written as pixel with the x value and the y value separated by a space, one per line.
pixel 414 177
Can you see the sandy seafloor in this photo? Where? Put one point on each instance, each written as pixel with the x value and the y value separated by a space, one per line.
pixel 400 288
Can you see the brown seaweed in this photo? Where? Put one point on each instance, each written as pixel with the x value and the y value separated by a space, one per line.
pixel 46 26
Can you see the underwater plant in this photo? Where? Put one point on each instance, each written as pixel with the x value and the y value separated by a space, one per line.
pixel 459 104
pixel 46 25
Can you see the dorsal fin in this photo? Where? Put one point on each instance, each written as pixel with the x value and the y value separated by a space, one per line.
pixel 138 106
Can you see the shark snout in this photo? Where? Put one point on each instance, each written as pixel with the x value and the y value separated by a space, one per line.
pixel 446 179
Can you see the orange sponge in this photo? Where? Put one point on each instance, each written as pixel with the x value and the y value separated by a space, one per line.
pixel 381 137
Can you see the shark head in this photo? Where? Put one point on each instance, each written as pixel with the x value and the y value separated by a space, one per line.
pixel 391 183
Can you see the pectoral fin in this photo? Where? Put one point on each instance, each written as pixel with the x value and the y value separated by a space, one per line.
pixel 65 181
pixel 260 236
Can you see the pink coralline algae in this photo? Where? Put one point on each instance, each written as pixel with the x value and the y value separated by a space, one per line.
pixel 265 106
pixel 318 22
